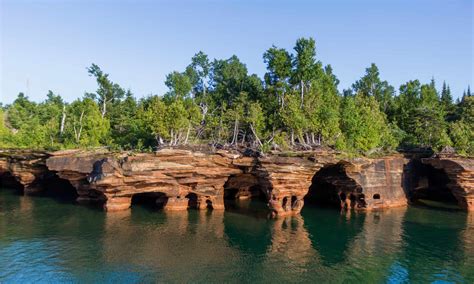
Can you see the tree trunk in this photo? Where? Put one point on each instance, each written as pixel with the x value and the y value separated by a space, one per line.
pixel 159 140
pixel 63 121
pixel 302 92
pixel 236 129
pixel 243 138
pixel 187 134
pixel 292 137
pixel 78 133
pixel 255 134
pixel 301 139
pixel 104 108
pixel 172 138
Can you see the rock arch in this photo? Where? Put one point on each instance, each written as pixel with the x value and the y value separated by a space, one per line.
pixel 364 184
pixel 459 178
pixel 7 180
pixel 332 187
pixel 24 169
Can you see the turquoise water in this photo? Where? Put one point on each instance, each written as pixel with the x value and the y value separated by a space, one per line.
pixel 48 240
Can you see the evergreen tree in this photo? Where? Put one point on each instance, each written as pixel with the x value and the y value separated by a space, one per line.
pixel 371 85
pixel 364 126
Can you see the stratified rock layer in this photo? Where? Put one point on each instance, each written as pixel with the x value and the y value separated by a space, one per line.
pixel 181 179
pixel 381 180
pixel 175 173
pixel 461 178
pixel 27 167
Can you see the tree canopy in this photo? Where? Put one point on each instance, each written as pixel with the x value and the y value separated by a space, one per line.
pixel 296 105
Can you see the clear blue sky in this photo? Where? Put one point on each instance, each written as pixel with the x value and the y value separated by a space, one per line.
pixel 48 44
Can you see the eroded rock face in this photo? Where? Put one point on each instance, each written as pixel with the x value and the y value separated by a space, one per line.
pixel 26 167
pixel 75 166
pixel 361 184
pixel 460 172
pixel 286 180
pixel 383 181
pixel 182 179
pixel 175 173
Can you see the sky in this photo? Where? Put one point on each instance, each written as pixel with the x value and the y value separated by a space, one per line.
pixel 47 45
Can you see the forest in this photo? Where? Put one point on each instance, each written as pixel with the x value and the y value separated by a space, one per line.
pixel 296 106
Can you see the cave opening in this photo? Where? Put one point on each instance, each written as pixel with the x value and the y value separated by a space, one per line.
pixel 192 200
pixel 432 188
pixel 8 181
pixel 332 188
pixel 58 188
pixel 150 200
pixel 243 194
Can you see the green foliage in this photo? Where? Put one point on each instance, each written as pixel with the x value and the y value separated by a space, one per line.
pixel 179 85
pixel 365 127
pixel 371 85
pixel 5 133
pixel 296 106
pixel 108 92
pixel 462 135
pixel 87 127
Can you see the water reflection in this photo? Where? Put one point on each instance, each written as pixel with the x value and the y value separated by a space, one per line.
pixel 41 239
pixel 434 245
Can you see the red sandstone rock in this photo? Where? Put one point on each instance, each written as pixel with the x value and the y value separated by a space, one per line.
pixel 27 167
pixel 185 177
pixel 461 175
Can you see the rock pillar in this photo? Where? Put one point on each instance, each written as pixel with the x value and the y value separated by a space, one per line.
pixel 177 203
pixel 217 202
pixel 286 205
pixel 202 202
pixel 113 204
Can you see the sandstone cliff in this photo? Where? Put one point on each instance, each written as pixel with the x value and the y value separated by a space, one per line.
pixel 179 179
pixel 460 172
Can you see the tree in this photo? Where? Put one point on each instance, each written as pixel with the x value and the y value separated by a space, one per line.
pixel 256 121
pixel 153 114
pixel 329 108
pixel 5 133
pixel 371 85
pixel 125 127
pixel 304 64
pixel 199 71
pixel 364 126
pixel 176 119
pixel 420 115
pixel 293 118
pixel 179 85
pixel 86 126
pixel 407 101
pixel 278 62
pixel 235 116
pixel 446 97
pixel 462 135
pixel 108 92
pixel 228 79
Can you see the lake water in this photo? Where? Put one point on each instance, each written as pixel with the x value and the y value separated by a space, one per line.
pixel 49 240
